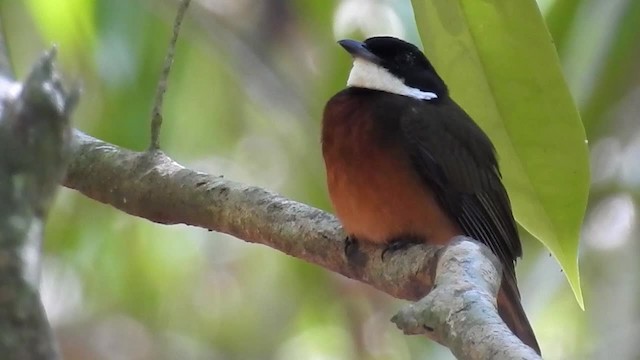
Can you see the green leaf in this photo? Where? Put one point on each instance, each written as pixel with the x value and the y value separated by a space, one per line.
pixel 500 63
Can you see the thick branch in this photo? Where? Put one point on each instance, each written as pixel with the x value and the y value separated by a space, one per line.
pixel 34 139
pixel 460 311
pixel 153 186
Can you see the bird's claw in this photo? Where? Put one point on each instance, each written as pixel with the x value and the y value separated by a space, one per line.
pixel 350 246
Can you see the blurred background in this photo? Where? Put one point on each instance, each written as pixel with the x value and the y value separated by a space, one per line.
pixel 245 100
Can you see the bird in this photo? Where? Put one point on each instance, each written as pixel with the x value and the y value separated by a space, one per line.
pixel 405 163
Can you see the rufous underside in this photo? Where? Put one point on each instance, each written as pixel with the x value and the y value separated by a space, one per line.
pixel 375 192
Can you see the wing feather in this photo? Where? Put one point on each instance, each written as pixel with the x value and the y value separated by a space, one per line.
pixel 456 159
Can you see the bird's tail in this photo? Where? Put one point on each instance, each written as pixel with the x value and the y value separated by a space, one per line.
pixel 512 313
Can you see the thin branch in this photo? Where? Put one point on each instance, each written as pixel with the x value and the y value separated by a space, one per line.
pixel 153 186
pixel 156 112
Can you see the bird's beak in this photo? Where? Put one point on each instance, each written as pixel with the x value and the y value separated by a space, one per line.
pixel 358 49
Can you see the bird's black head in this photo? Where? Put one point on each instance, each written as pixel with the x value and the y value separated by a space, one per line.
pixel 393 65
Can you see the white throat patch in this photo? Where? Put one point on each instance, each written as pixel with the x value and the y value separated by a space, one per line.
pixel 366 74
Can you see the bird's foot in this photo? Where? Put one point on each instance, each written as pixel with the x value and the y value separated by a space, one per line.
pixel 352 252
pixel 350 246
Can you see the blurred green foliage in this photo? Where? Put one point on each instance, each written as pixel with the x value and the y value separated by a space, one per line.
pixel 245 99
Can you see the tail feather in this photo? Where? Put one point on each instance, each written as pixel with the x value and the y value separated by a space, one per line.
pixel 512 313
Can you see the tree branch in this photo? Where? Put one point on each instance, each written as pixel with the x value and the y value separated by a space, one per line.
pixel 153 186
pixel 460 311
pixel 34 138
pixel 156 112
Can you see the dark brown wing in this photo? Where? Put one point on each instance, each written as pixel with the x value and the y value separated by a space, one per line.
pixel 457 160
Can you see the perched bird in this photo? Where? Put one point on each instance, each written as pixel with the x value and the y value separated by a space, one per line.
pixel 404 162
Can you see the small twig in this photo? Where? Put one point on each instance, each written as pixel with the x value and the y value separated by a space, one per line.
pixel 156 112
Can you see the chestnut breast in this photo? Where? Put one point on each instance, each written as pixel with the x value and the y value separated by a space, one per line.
pixel 376 193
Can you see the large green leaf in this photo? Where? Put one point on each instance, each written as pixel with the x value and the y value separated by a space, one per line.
pixel 501 66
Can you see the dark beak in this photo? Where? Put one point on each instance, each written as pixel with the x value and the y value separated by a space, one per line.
pixel 358 49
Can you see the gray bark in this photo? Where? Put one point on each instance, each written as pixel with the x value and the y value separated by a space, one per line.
pixel 34 149
pixel 461 311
